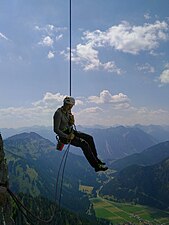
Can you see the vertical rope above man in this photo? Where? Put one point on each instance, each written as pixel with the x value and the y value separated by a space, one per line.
pixel 70 47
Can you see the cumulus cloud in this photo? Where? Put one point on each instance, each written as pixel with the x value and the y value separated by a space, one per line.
pixel 50 100
pixel 129 39
pixel 106 97
pixel 49 35
pixel 85 53
pixel 51 55
pixel 147 16
pixel 123 37
pixel 104 109
pixel 46 41
pixel 88 57
pixel 111 67
pixel 146 68
pixel 164 76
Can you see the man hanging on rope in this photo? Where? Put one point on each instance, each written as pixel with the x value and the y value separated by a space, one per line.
pixel 63 127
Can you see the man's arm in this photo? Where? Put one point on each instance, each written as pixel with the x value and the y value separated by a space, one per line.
pixel 57 120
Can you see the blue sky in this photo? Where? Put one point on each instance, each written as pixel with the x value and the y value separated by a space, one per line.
pixel 120 61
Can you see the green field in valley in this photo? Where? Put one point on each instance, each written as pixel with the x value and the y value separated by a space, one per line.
pixel 121 213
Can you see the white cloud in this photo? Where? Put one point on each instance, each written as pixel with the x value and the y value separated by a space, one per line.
pixel 50 100
pixel 111 67
pixel 49 34
pixel 59 37
pixel 90 110
pixel 123 37
pixel 88 57
pixel 147 16
pixel 146 68
pixel 130 39
pixel 49 29
pixel 46 41
pixel 51 55
pixel 105 97
pixel 105 109
pixel 164 77
pixel 167 65
pixel 85 53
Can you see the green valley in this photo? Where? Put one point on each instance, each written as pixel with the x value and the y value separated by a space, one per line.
pixel 125 213
pixel 114 197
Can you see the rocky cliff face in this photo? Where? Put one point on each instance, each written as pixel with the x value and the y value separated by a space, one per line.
pixel 5 204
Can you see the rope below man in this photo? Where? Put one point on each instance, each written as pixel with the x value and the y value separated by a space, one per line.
pixel 63 127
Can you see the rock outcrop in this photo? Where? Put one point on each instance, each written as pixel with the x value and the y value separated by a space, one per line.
pixel 5 202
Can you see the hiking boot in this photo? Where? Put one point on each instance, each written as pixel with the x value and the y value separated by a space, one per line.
pixel 101 163
pixel 100 168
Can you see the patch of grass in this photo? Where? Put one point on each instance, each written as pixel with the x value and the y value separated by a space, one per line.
pixel 119 213
pixel 86 189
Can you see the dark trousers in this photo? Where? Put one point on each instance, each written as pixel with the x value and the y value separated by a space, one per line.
pixel 86 143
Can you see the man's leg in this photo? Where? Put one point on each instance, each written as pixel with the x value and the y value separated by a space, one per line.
pixel 89 139
pixel 80 142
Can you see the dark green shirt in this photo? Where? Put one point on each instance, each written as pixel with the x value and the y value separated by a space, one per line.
pixel 61 122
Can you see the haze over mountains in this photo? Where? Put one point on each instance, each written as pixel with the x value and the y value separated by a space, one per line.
pixel 113 142
pixel 149 156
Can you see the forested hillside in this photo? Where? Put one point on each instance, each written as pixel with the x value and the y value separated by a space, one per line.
pixel 33 164
pixel 147 185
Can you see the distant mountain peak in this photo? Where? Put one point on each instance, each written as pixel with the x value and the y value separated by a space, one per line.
pixel 25 144
pixel 25 135
pixel 149 156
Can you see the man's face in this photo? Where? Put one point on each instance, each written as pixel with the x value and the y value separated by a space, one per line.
pixel 68 106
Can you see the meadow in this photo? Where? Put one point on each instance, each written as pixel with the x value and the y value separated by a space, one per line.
pixel 122 213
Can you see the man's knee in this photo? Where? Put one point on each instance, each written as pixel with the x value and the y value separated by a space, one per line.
pixel 90 138
pixel 84 144
pixel 83 141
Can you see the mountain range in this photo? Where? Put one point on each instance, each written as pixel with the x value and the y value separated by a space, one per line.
pixel 160 133
pixel 111 143
pixel 33 164
pixel 149 156
pixel 118 142
pixel 142 177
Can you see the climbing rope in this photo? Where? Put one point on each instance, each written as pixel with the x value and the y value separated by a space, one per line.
pixel 64 165
pixel 24 210
pixel 70 46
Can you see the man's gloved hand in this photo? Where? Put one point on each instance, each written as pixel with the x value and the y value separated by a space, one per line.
pixel 71 119
pixel 70 136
